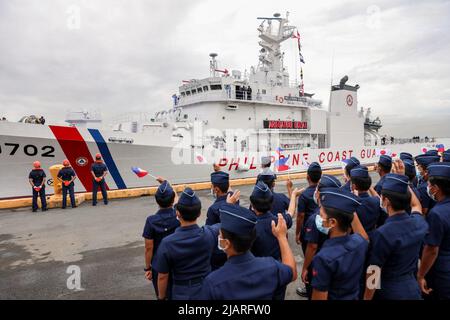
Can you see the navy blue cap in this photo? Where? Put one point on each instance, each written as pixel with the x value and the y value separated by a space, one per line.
pixel 327 181
pixel 410 168
pixel 359 171
pixel 432 153
pixel 396 183
pixel 188 198
pixel 385 160
pixel 406 155
pixel 261 191
pixel 314 167
pixel 164 190
pixel 339 199
pixel 439 169
pixel 351 163
pixel 220 177
pixel 446 156
pixel 237 219
pixel 425 160
pixel 266 176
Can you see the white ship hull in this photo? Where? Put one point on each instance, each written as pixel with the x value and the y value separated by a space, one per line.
pixel 21 144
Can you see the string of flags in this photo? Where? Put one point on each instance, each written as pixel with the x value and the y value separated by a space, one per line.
pixel 302 60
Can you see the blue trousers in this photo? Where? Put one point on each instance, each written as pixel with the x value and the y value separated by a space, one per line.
pixel 95 186
pixel 41 194
pixel 71 191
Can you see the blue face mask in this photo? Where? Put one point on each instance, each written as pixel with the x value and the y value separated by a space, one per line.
pixel 319 225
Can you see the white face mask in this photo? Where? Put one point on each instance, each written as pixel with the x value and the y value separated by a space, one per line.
pixel 381 205
pixel 218 244
pixel 430 194
pixel 315 197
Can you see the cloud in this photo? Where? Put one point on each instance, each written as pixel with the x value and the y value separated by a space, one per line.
pixel 133 55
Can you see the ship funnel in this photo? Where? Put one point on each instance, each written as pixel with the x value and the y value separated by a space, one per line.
pixel 343 82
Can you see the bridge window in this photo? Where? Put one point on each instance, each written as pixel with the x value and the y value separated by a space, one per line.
pixel 205 88
pixel 183 94
pixel 199 90
pixel 216 87
pixel 194 91
pixel 188 93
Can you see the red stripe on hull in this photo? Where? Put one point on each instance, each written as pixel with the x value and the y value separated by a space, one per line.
pixel 77 152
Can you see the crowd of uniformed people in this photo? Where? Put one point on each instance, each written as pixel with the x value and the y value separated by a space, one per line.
pixel 389 241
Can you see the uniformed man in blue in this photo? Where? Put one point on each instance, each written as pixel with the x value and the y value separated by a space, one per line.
pixel 337 268
pixel 186 254
pixel 446 156
pixel 306 203
pixel 244 276
pixel 220 182
pixel 383 167
pixel 405 156
pixel 99 172
pixel 67 177
pixel 350 164
pixel 435 263
pixel 280 202
pixel 37 179
pixel 369 212
pixel 158 226
pixel 313 237
pixel 423 161
pixel 395 246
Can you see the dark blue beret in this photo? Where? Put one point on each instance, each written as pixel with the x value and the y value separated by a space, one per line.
pixel 327 181
pixel 351 163
pixel 359 171
pixel 425 160
pixel 439 169
pixel 432 153
pixel 237 219
pixel 385 160
pixel 406 155
pixel 314 167
pixel 410 168
pixel 220 177
pixel 164 190
pixel 339 199
pixel 261 191
pixel 396 183
pixel 188 198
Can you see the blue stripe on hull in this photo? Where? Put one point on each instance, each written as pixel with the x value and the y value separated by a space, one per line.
pixel 107 157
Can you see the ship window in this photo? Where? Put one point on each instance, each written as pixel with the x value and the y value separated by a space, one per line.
pixel 183 94
pixel 185 116
pixel 188 93
pixel 199 90
pixel 223 118
pixel 205 88
pixel 264 91
pixel 216 87
pixel 194 91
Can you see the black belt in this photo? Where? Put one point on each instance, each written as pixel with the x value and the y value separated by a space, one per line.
pixel 188 282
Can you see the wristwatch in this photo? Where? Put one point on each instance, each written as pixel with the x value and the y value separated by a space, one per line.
pixel 148 269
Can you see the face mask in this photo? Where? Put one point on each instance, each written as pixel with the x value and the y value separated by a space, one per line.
pixel 430 194
pixel 381 206
pixel 218 244
pixel 213 194
pixel 315 197
pixel 319 225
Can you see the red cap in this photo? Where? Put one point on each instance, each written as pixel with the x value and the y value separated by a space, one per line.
pixel 36 164
pixel 66 163
pixel 98 156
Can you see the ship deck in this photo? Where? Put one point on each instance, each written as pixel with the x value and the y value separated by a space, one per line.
pixel 104 241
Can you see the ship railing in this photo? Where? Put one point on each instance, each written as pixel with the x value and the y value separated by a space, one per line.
pixel 379 142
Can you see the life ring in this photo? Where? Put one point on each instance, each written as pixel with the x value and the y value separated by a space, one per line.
pixel 280 99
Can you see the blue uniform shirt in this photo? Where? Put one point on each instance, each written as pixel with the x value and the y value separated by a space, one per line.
pixel 266 245
pixel 37 175
pixel 280 203
pixel 338 267
pixel 347 186
pixel 425 200
pixel 379 186
pixel 99 168
pixel 439 236
pixel 160 225
pixel 66 174
pixel 369 212
pixel 245 277
pixel 307 205
pixel 187 252
pixel 395 249
pixel 213 214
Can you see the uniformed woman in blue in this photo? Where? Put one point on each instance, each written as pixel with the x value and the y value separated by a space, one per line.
pixel 395 246
pixel 157 227
pixel 186 254
pixel 280 202
pixel 384 167
pixel 350 164
pixel 244 276
pixel 313 237
pixel 337 268
pixel 435 264
pixel 423 161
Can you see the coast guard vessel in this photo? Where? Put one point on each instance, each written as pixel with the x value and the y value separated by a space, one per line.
pixel 229 118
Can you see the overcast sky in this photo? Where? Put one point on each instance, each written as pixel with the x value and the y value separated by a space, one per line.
pixel 125 56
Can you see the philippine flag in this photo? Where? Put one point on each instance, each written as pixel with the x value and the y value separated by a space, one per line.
pixel 139 172
pixel 200 159
pixel 440 147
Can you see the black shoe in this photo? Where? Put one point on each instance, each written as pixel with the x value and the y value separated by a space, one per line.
pixel 44 209
pixel 302 292
pixel 94 204
pixel 106 203
pixel 74 206
pixel 63 207
pixel 34 210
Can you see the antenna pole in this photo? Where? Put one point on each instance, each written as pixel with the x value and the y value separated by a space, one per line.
pixel 332 68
